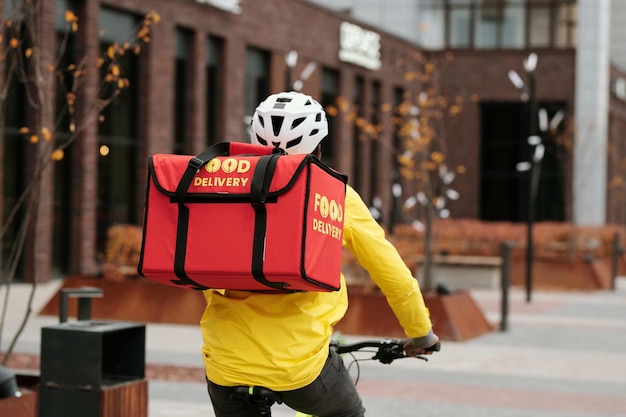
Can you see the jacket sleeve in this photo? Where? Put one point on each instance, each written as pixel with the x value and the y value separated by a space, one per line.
pixel 364 237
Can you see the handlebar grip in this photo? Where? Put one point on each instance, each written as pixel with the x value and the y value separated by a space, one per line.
pixel 434 348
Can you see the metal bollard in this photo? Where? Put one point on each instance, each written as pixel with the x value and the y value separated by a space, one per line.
pixel 618 250
pixel 505 279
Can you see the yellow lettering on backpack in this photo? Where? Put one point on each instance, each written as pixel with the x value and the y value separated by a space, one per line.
pixel 331 212
pixel 228 165
pixel 327 229
pixel 328 207
pixel 220 182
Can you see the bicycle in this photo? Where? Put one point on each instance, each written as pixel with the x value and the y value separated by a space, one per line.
pixel 387 351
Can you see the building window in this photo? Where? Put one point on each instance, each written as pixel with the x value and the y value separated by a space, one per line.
pixel 459 26
pixel 566 25
pixel 398 149
pixel 512 29
pixel 14 166
pixel 257 83
pixel 330 94
pixel 504 190
pixel 487 25
pixel 432 25
pixel 215 48
pixel 497 24
pixel 502 196
pixel 19 107
pixel 118 134
pixel 376 147
pixel 182 77
pixel 357 134
pixel 539 19
pixel 63 169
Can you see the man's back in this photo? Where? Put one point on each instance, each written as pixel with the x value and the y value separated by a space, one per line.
pixel 281 341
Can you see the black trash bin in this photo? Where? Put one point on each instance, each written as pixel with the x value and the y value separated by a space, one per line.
pixel 93 368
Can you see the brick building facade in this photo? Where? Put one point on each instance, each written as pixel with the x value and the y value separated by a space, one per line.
pixel 166 110
pixel 210 62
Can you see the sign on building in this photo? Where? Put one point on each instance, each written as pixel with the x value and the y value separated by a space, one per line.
pixel 232 6
pixel 359 46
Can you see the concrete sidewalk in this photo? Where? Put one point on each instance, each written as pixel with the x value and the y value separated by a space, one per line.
pixel 564 354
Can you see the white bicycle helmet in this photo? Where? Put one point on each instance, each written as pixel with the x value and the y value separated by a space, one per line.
pixel 291 121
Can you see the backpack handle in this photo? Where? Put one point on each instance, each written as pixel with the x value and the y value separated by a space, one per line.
pixel 219 149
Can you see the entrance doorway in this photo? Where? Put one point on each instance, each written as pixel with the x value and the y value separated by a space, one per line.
pixel 504 190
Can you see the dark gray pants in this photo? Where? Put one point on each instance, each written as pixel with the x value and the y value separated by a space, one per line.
pixel 332 394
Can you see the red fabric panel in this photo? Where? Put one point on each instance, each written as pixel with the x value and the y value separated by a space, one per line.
pixel 241 148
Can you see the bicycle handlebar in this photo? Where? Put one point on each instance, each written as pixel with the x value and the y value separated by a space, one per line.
pixel 388 350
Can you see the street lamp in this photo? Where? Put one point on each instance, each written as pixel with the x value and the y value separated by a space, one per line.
pixel 304 75
pixel 290 59
pixel 533 166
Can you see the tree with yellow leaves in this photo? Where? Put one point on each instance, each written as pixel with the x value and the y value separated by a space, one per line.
pixel 36 68
pixel 424 178
pixel 421 123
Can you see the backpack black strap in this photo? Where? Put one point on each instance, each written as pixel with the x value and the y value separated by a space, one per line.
pixel 181 251
pixel 219 149
pixel 259 190
pixel 197 162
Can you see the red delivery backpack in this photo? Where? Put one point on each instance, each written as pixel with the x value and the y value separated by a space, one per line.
pixel 243 217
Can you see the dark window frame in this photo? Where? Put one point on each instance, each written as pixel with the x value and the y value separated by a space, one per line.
pixel 257 82
pixel 119 142
pixel 474 7
pixel 214 89
pixel 330 95
pixel 183 76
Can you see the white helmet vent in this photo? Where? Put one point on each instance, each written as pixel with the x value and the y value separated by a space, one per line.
pixel 297 122
pixel 277 124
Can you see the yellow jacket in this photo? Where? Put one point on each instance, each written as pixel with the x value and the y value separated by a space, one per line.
pixel 281 341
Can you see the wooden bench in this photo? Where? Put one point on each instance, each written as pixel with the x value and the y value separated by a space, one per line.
pixel 464 272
